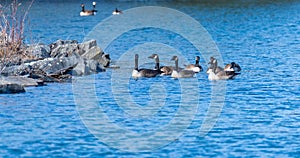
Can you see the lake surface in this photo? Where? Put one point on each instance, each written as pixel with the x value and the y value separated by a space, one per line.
pixel 259 115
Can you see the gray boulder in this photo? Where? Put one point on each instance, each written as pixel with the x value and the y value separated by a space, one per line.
pixel 63 48
pixel 96 53
pixel 61 42
pixel 10 88
pixel 15 70
pixel 86 46
pixel 105 60
pixel 23 81
pixel 87 67
pixel 16 84
pixel 39 51
pixel 61 59
pixel 88 50
pixel 54 65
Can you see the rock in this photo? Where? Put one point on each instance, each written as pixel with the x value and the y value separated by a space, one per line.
pixel 10 88
pixel 16 84
pixel 90 50
pixel 94 66
pixel 39 51
pixel 97 54
pixel 93 53
pixel 114 66
pixel 15 70
pixel 23 81
pixel 80 69
pixel 61 59
pixel 87 67
pixel 54 65
pixel 105 60
pixel 61 42
pixel 86 46
pixel 63 48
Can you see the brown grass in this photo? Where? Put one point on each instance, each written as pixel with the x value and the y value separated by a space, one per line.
pixel 12 24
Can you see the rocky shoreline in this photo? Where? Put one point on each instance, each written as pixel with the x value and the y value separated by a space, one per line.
pixel 56 62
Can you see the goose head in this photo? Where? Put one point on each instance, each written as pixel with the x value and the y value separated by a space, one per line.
pixel 232 64
pixel 197 58
pixel 94 6
pixel 175 58
pixel 211 60
pixel 155 56
pixel 197 64
pixel 82 7
pixel 235 66
pixel 214 65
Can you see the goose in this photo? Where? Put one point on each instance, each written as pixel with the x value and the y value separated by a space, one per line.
pixel 88 12
pixel 165 70
pixel 232 67
pixel 155 56
pixel 180 74
pixel 218 68
pixel 117 12
pixel 194 67
pixel 218 75
pixel 137 73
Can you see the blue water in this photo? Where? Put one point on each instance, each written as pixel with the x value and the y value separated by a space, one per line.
pixel 260 116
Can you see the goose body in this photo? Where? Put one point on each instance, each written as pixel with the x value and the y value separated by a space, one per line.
pixel 218 68
pixel 180 73
pixel 195 67
pixel 213 74
pixel 165 70
pixel 137 73
pixel 88 12
pixel 117 12
pixel 232 67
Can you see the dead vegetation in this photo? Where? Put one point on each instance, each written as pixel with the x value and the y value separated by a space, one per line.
pixel 12 24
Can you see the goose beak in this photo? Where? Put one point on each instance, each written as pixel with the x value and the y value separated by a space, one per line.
pixel 173 58
pixel 153 56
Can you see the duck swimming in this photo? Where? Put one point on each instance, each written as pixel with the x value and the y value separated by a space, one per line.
pixel 180 73
pixel 194 67
pixel 88 12
pixel 137 73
